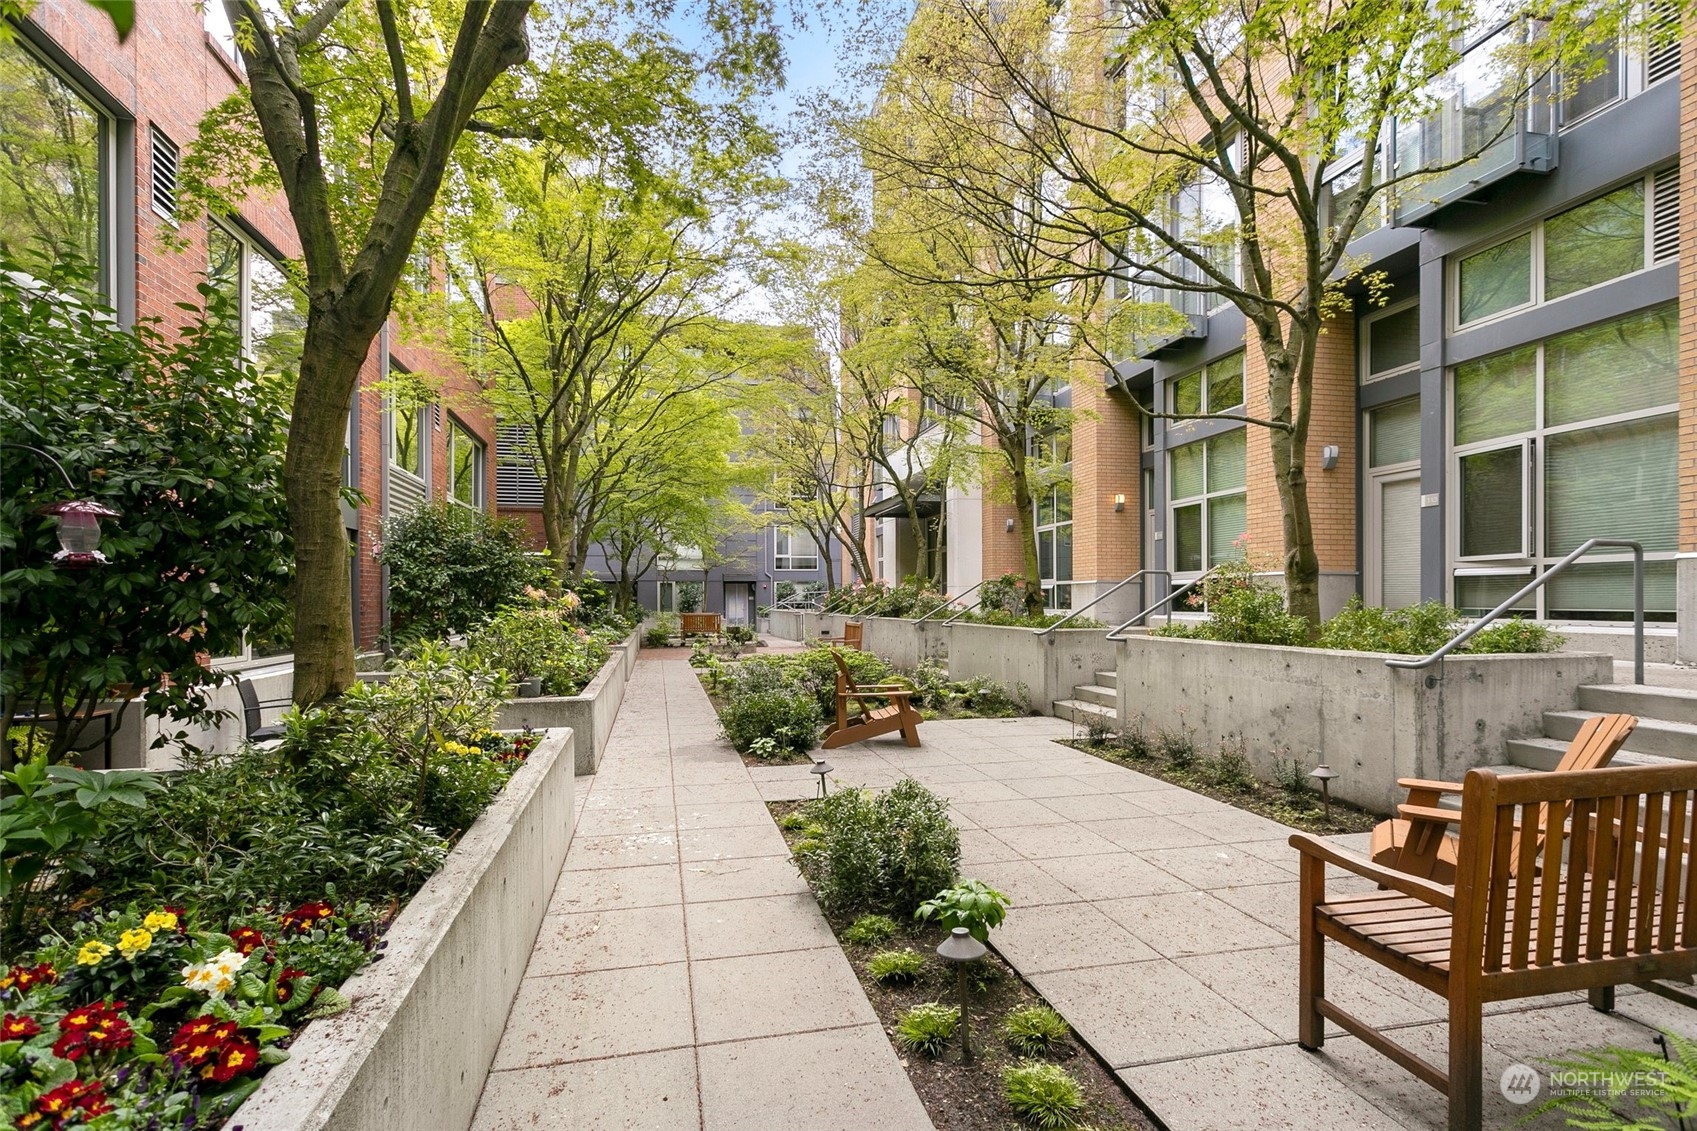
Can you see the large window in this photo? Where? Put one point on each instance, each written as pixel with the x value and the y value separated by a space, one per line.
pixel 1054 546
pixel 1215 388
pixel 793 549
pixel 466 471
pixel 1390 342
pixel 1575 437
pixel 54 158
pixel 1209 511
pixel 270 308
pixel 1601 239
pixel 409 435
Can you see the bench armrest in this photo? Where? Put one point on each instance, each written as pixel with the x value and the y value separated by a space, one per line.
pixel 1429 813
pixel 1429 786
pixel 882 688
pixel 1426 891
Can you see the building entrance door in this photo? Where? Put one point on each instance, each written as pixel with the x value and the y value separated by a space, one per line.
pixel 1393 524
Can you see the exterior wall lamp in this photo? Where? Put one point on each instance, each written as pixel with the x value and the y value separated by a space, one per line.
pixel 1328 457
pixel 78 520
pixel 1119 503
pixel 1010 526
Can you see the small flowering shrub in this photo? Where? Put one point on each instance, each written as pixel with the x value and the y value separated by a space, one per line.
pixel 161 1022
pixel 543 640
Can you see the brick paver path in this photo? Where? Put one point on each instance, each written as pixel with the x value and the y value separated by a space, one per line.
pixel 1163 925
pixel 684 977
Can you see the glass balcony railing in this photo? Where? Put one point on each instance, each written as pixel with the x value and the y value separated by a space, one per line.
pixel 1486 123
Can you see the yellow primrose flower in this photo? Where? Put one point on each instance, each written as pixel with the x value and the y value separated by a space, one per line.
pixel 134 942
pixel 92 952
pixel 160 921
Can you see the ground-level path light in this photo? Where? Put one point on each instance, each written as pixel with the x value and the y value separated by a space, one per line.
pixel 959 949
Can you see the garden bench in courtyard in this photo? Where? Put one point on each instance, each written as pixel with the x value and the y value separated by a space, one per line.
pixel 1606 895
pixel 865 720
pixel 702 624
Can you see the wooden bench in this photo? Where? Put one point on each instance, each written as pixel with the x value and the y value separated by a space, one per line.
pixel 852 635
pixel 865 720
pixel 1422 845
pixel 1605 896
pixel 702 624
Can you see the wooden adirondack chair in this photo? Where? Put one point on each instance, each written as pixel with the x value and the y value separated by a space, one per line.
pixel 866 720
pixel 1418 841
pixel 852 635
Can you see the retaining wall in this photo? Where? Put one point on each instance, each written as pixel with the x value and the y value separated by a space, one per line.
pixel 589 713
pixel 413 1050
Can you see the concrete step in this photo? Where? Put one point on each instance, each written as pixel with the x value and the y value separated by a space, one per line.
pixel 1674 704
pixel 1651 736
pixel 1097 694
pixel 1080 712
pixel 1107 679
pixel 1546 753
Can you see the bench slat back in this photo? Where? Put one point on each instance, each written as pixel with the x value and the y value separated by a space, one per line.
pixel 1571 867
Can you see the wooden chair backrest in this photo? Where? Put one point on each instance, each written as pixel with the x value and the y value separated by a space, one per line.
pixel 852 634
pixel 1598 740
pixel 1608 880
pixel 845 681
pixel 700 622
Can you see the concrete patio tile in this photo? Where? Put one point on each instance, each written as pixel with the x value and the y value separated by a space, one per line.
pixel 625 820
pixel 1267 1089
pixel 1139 834
pixel 722 815
pixel 1024 883
pixel 597 1014
pixel 1535 1035
pixel 1019 769
pixel 1096 806
pixel 1117 875
pixel 622 851
pixel 934 774
pixel 1214 866
pixel 1189 922
pixel 985 790
pixel 1003 814
pixel 1144 1011
pixel 608 888
pixel 765 995
pixel 842 1080
pixel 608 940
pixel 710 773
pixel 1656 1012
pixel 1059 785
pixel 741 879
pixel 1046 842
pixel 643 797
pixel 1273 904
pixel 788 790
pixel 1278 853
pixel 1188 801
pixel 765 925
pixel 980 847
pixel 690 796
pixel 1065 936
pixel 731 843
pixel 1236 825
pixel 654 1091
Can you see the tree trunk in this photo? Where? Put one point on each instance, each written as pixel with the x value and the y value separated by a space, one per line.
pixel 1025 519
pixel 312 484
pixel 1288 370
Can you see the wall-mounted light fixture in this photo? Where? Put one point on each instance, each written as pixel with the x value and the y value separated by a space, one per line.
pixel 1328 457
pixel 1119 503
pixel 1010 526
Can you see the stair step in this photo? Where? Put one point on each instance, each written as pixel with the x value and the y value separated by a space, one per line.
pixel 1673 704
pixel 1097 694
pixel 1107 679
pixel 1651 736
pixel 1546 754
pixel 1078 711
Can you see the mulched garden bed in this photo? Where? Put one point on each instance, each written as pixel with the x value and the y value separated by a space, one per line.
pixel 962 1098
pixel 1298 810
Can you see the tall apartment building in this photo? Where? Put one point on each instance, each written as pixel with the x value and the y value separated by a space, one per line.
pixel 1519 389
pixel 95 130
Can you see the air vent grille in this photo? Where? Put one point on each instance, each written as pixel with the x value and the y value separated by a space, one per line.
pixel 1663 60
pixel 1664 215
pixel 164 174
pixel 516 481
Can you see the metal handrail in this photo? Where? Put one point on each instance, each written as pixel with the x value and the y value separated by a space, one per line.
pixel 946 602
pixel 1100 596
pixel 1538 582
pixel 1176 593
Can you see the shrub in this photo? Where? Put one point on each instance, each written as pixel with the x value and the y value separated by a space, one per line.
pixel 1242 608
pixel 763 701
pixel 896 966
pixel 1230 769
pixel 870 930
pixel 1098 729
pixel 450 565
pixel 1515 635
pixel 880 852
pixel 525 641
pixel 1032 1030
pixel 1044 1095
pixel 1415 630
pixel 1177 746
pixel 927 1029
pixel 1136 740
pixel 1644 1089
pixel 1288 775
pixel 971 904
pixel 660 633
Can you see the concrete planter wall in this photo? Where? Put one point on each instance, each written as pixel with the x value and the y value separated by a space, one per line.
pixel 1048 666
pixel 413 1050
pixel 589 713
pixel 1370 723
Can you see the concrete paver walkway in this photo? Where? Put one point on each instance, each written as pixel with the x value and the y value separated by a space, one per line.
pixel 1163 925
pixel 684 977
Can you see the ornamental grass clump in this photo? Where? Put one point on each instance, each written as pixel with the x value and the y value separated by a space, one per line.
pixel 928 1028
pixel 870 930
pixel 1034 1030
pixel 896 967
pixel 1043 1095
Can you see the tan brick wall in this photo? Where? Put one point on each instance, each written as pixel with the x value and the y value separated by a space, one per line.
pixel 1688 296
pixel 1105 462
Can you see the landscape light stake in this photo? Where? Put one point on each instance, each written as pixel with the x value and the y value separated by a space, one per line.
pixel 821 768
pixel 961 948
pixel 1324 775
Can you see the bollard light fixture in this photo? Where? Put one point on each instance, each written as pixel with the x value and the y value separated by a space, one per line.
pixel 959 949
pixel 821 768
pixel 1324 775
